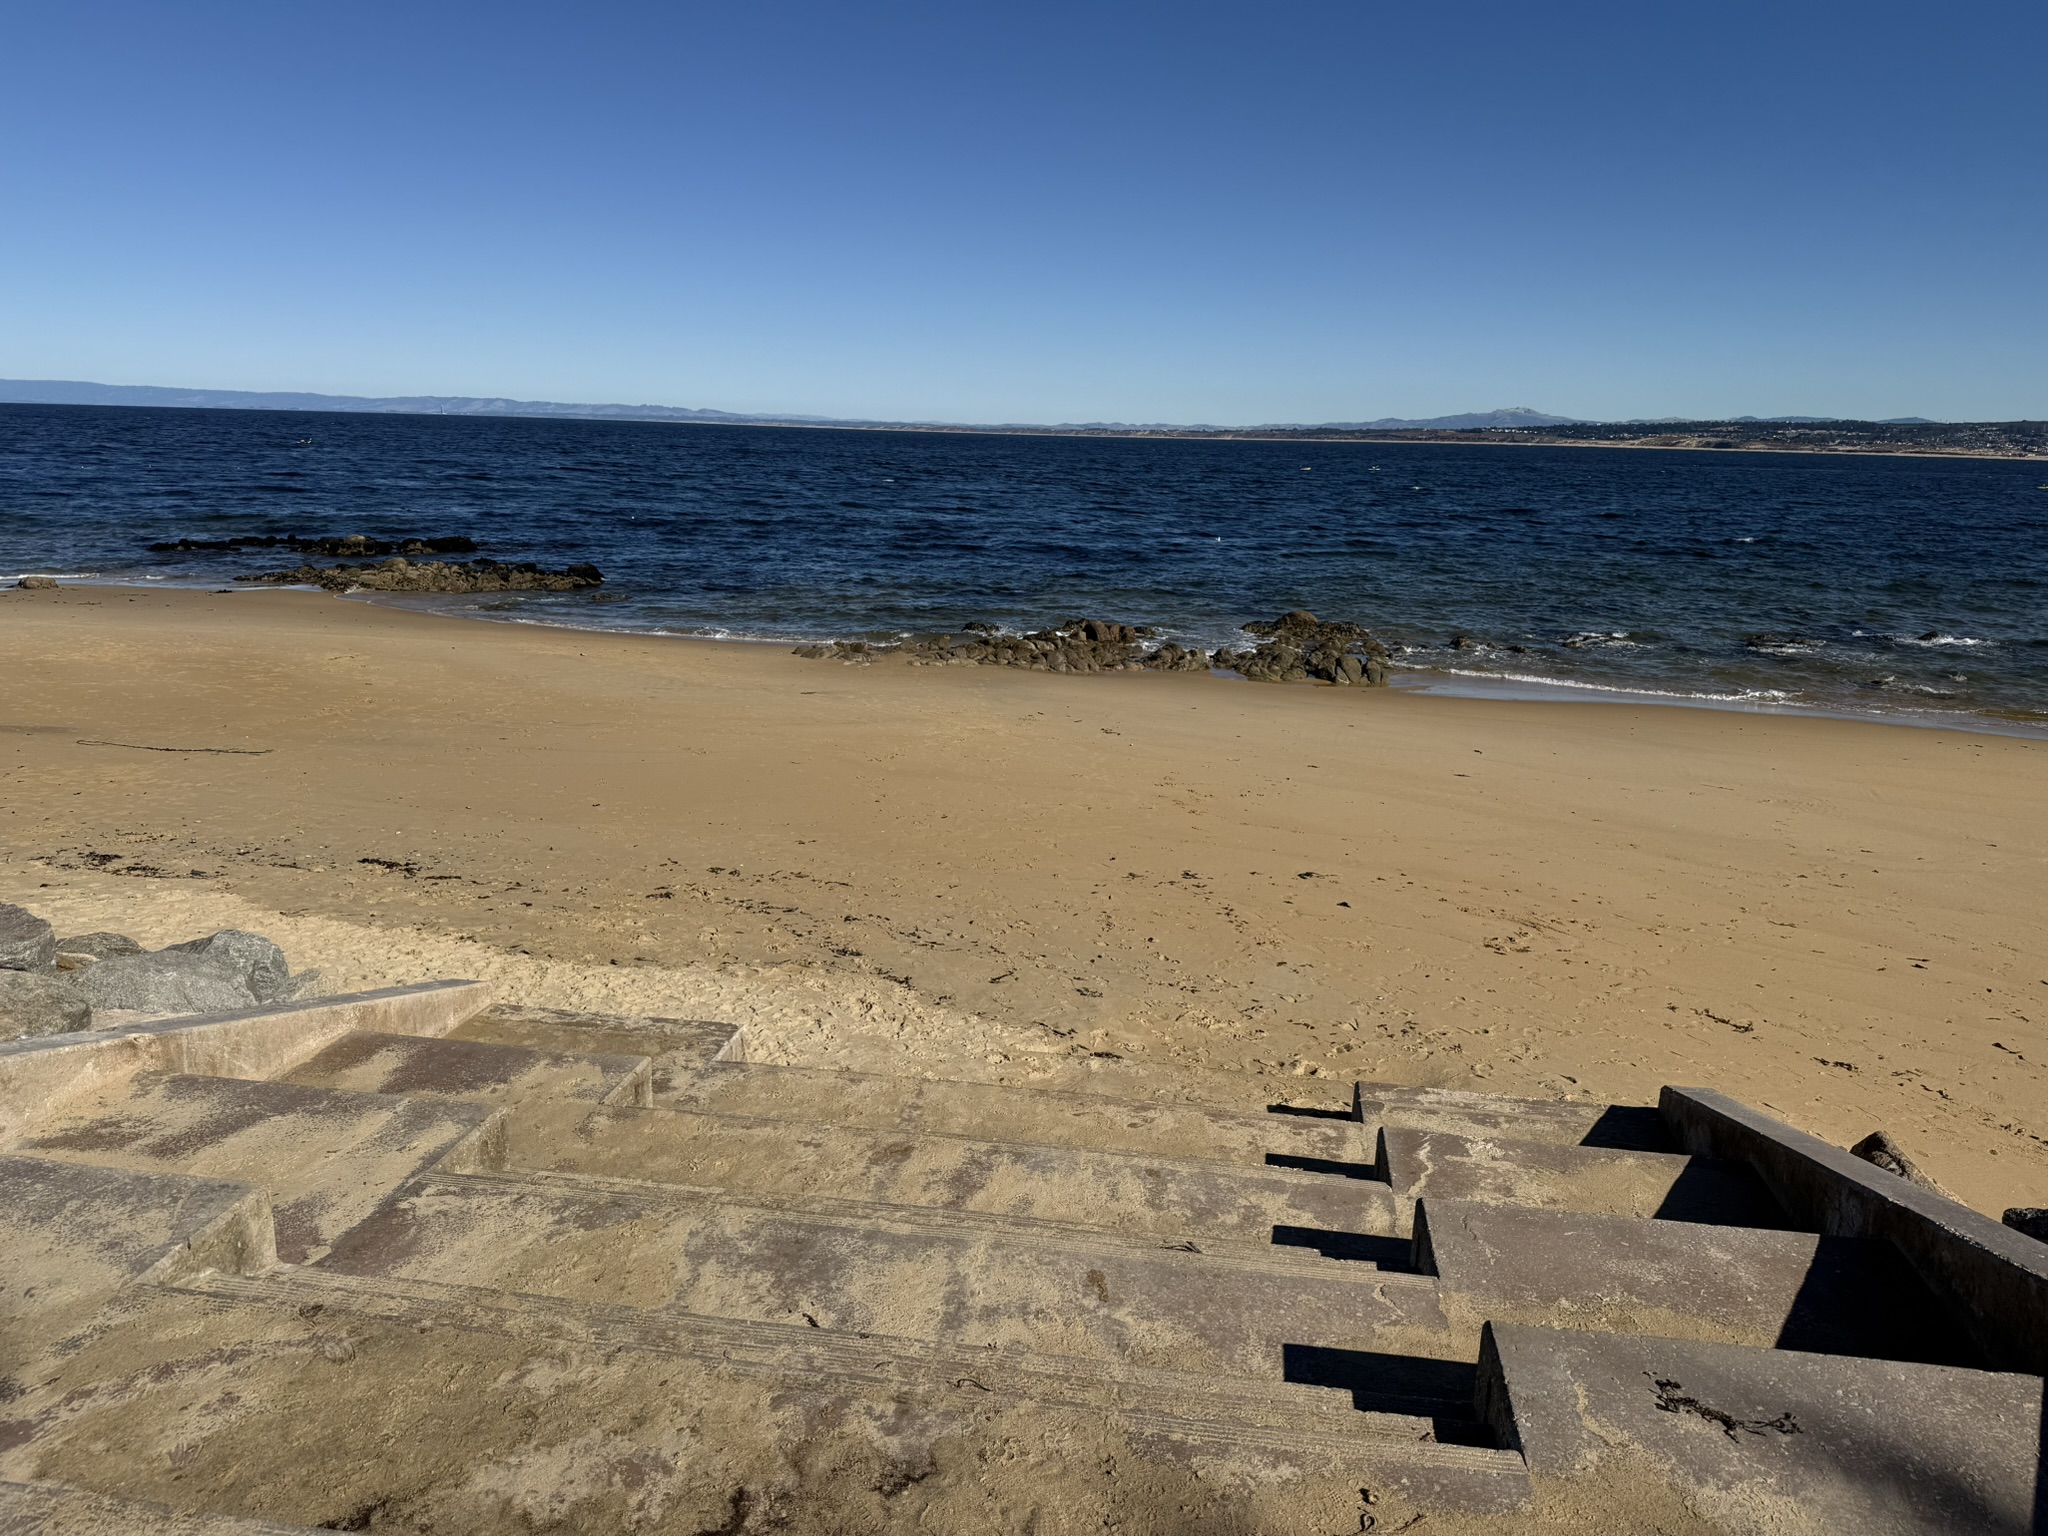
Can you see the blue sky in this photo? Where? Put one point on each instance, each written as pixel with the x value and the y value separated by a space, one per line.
pixel 1044 212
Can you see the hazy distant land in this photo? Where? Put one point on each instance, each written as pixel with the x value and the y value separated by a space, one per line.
pixel 1514 424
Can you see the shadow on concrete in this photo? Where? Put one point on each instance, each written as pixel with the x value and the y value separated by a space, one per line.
pixel 1439 1390
pixel 1717 1194
pixel 1386 1252
pixel 1861 1297
pixel 1630 1128
pixel 1342 1170
pixel 1310 1112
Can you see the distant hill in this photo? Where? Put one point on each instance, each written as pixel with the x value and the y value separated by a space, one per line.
pixel 1508 418
pixel 1511 418
pixel 75 392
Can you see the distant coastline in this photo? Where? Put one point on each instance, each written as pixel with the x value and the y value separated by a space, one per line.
pixel 1517 426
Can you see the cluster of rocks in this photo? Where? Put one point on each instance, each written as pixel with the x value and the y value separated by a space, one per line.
pixel 398 574
pixel 1078 645
pixel 1298 647
pixel 51 985
pixel 359 545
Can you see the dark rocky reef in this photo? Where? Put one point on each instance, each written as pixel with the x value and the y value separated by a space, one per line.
pixel 399 574
pixel 1298 647
pixel 359 545
pixel 1079 645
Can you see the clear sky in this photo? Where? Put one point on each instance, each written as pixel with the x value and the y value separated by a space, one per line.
pixel 1184 211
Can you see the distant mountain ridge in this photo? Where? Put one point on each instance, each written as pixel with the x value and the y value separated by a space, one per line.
pixel 80 392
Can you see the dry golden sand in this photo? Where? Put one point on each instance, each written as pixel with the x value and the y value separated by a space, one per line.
pixel 1839 922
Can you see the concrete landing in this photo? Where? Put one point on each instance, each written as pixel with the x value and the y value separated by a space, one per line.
pixel 72 1236
pixel 473 1071
pixel 1151 1195
pixel 1024 1115
pixel 1443 1165
pixel 326 1158
pixel 1770 1441
pixel 1735 1285
pixel 914 1273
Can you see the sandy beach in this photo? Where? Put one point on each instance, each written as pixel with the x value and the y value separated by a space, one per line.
pixel 1836 921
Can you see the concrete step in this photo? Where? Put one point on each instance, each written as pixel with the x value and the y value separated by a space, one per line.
pixel 326 1158
pixel 1024 1115
pixel 1560 1122
pixel 476 1072
pixel 1076 1069
pixel 675 1046
pixel 40 1078
pixel 49 1509
pixel 1734 1285
pixel 903 1271
pixel 1156 1196
pixel 1497 1170
pixel 1274 1427
pixel 72 1235
pixel 1763 1441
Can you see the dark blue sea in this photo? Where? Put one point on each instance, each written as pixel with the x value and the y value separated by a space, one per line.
pixel 1915 589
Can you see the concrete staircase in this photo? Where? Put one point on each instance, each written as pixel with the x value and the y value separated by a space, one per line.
pixel 371 1262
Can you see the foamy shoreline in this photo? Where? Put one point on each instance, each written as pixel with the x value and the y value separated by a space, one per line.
pixel 1409 677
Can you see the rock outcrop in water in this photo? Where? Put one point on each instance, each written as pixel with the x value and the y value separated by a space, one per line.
pixel 359 545
pixel 1298 647
pixel 1079 645
pixel 399 574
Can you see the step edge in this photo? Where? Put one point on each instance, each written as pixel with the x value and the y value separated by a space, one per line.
pixel 1226 1253
pixel 1061 1379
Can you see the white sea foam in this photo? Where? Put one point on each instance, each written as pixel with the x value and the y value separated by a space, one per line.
pixel 1741 696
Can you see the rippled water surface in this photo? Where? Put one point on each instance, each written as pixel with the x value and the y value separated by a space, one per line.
pixel 1916 588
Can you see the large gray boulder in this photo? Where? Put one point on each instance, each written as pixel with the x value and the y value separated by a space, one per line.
pixel 166 981
pixel 33 1005
pixel 259 964
pixel 101 946
pixel 27 943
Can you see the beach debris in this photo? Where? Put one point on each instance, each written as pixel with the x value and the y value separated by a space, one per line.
pixel 1881 1151
pixel 399 574
pixel 27 943
pixel 359 545
pixel 37 583
pixel 2029 1219
pixel 32 1005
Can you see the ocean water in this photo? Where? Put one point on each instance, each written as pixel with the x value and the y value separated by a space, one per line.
pixel 1912 589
